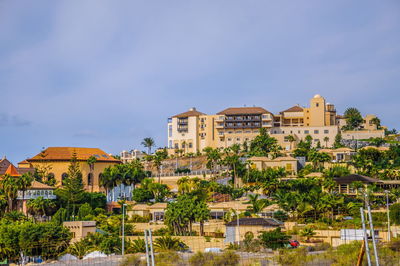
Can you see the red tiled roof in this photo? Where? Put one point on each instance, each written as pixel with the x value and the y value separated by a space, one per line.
pixel 293 109
pixel 37 185
pixel 189 113
pixel 12 171
pixel 244 111
pixel 65 154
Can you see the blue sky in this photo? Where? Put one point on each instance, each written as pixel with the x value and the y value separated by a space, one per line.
pixel 109 73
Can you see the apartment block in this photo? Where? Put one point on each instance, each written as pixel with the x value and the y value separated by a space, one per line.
pixel 192 131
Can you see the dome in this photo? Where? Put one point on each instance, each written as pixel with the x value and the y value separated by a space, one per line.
pixel 317 96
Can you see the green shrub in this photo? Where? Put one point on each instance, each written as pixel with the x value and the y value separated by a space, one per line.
pixel 161 231
pixel 228 258
pixel 274 239
pixel 395 213
pixel 131 260
pixel 168 259
pixel 136 246
pixel 135 218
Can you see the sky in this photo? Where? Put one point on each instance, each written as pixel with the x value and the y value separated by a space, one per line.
pixel 109 73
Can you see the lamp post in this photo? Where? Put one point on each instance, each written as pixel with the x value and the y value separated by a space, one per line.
pixel 387 211
pixel 123 229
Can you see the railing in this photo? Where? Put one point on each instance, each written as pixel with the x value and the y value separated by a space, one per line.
pixel 196 173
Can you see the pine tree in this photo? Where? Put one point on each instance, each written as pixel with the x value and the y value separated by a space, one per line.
pixel 338 141
pixel 72 191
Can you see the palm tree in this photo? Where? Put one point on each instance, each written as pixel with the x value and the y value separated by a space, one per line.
pixel 79 249
pixel 24 182
pixel 307 232
pixel 291 139
pixel 326 139
pixel 10 188
pixel 91 162
pixel 168 243
pixel 257 205
pixel 184 185
pixel 40 207
pixel 137 246
pixel 148 143
pixel 213 158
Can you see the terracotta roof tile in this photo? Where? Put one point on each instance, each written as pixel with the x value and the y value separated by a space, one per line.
pixel 244 111
pixel 12 171
pixel 189 113
pixel 293 109
pixel 65 154
pixel 37 185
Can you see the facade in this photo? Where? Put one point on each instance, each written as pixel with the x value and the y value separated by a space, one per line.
pixel 129 156
pixel 192 131
pixel 236 230
pixel 36 189
pixel 80 229
pixel 290 164
pixel 57 160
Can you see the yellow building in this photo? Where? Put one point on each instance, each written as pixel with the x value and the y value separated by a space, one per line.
pixel 290 164
pixel 55 161
pixel 192 131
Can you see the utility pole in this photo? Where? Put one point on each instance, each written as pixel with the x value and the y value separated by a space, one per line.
pixel 123 229
pixel 151 248
pixel 147 248
pixel 388 216
pixel 371 226
pixel 365 237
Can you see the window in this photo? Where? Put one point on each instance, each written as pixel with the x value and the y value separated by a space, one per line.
pixel 229 139
pixel 316 131
pixel 247 132
pixel 170 130
pixel 230 132
pixel 183 145
pixel 306 131
pixel 63 177
pixel 237 139
pixel 283 131
pixel 255 131
pixel 317 104
pixel 190 145
pixel 238 132
pixel 90 179
pixel 176 146
pixel 326 131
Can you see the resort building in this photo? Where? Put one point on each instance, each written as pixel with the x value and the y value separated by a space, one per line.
pixel 36 189
pixel 56 160
pixel 192 131
pixel 129 156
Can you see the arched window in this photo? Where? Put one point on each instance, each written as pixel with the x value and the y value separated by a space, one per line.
pixel 63 177
pixel 90 179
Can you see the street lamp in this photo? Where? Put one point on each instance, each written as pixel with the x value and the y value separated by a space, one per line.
pixel 123 229
pixel 387 211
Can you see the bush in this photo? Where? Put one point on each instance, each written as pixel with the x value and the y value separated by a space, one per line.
pixel 168 259
pixel 141 195
pixel 395 213
pixel 161 231
pixel 182 171
pixel 131 260
pixel 228 258
pixel 320 247
pixel 168 243
pixel 136 246
pixel 274 239
pixel 135 218
pixel 280 215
